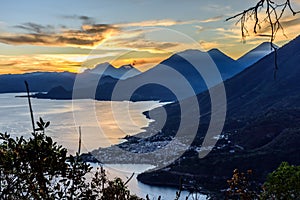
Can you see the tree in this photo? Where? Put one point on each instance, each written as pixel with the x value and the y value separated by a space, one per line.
pixel 283 183
pixel 242 187
pixel 38 168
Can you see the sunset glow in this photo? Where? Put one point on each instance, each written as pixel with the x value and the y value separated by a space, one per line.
pixel 57 36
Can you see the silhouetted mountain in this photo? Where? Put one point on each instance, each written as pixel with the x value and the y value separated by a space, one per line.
pixel 177 77
pixel 226 65
pixel 38 81
pixel 255 54
pixel 261 129
pixel 255 90
pixel 86 86
pixel 128 71
pixel 59 92
pixel 181 76
pixel 182 61
pixel 259 91
pixel 46 81
pixel 107 69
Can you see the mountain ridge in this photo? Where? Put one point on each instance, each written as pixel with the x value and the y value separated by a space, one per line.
pixel 256 54
pixel 107 69
pixel 177 64
pixel 261 128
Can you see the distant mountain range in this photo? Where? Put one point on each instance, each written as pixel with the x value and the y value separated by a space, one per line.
pixel 38 81
pixel 256 54
pixel 177 77
pixel 180 76
pixel 106 69
pixel 261 130
pixel 46 81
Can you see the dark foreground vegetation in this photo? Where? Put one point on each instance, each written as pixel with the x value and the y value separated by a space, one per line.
pixel 38 168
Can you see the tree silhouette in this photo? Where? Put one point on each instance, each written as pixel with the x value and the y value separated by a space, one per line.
pixel 241 186
pixel 39 168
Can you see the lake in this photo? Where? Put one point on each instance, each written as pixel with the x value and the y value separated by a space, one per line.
pixel 103 124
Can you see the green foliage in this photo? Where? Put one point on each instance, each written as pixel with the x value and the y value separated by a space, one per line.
pixel 283 183
pixel 38 168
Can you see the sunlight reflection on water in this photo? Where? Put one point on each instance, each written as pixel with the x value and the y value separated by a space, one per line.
pixel 15 120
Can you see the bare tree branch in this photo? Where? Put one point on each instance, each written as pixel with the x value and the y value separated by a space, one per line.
pixel 273 11
pixel 272 18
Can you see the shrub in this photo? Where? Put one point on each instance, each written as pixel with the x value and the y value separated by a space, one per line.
pixel 38 168
pixel 283 183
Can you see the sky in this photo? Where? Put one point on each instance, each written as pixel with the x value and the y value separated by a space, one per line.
pixel 72 35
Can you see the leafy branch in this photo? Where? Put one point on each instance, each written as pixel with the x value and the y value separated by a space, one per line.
pixel 42 125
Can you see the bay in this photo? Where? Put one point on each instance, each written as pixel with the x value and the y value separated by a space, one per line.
pixel 102 123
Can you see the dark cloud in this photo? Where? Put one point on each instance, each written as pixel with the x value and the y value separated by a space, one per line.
pixel 95 28
pixel 36 28
pixel 23 39
pixel 8 63
pixel 88 35
pixel 83 18
pixel 77 41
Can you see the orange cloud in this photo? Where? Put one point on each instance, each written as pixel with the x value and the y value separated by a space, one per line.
pixel 166 22
pixel 206 45
pixel 289 23
pixel 21 64
pixel 147 45
pixel 148 23
pixel 87 37
pixel 230 39
pixel 91 35
pixel 141 62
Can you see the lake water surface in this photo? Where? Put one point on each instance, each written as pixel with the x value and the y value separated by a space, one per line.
pixel 103 124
